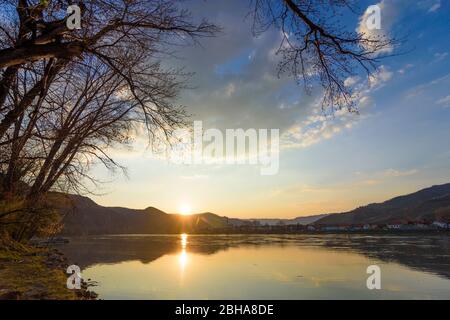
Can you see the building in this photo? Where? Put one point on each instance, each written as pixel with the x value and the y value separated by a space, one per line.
pixel 441 225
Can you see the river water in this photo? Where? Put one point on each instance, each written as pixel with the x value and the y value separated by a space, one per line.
pixel 263 266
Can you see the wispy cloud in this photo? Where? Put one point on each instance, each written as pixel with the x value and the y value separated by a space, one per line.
pixel 318 127
pixel 405 68
pixel 195 177
pixel 435 7
pixel 444 101
pixel 439 56
pixel 422 88
pixel 393 173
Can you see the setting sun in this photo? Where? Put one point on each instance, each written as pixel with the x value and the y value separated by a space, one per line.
pixel 185 209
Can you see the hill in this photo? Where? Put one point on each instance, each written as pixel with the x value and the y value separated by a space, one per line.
pixel 85 217
pixel 283 222
pixel 429 204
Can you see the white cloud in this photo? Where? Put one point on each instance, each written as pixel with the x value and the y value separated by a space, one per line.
pixel 351 81
pixel 444 101
pixel 380 77
pixel 387 19
pixel 254 96
pixel 317 128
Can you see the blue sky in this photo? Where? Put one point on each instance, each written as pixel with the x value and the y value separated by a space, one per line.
pixel 398 144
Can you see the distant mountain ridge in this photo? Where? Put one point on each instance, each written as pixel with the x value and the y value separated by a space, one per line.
pixel 283 222
pixel 428 204
pixel 85 217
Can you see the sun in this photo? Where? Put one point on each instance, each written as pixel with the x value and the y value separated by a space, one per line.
pixel 185 209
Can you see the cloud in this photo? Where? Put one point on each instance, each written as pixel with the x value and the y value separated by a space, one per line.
pixel 392 173
pixel 317 127
pixel 435 6
pixel 195 177
pixel 351 81
pixel 297 189
pixel 444 101
pixel 380 77
pixel 247 92
pixel 405 68
pixel 439 56
pixel 369 182
pixel 230 89
pixel 388 16
pixel 422 88
pixel 382 177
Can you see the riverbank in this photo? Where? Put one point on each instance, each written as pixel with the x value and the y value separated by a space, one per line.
pixel 31 273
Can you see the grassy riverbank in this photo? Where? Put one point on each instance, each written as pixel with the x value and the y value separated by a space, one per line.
pixel 28 272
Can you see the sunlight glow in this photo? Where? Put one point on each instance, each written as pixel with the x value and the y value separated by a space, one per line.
pixel 185 209
pixel 183 257
pixel 184 242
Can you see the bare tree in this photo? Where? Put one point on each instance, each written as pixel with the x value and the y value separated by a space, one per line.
pixel 111 30
pixel 68 97
pixel 317 48
pixel 85 113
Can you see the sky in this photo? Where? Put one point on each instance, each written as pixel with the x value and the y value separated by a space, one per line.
pixel 397 144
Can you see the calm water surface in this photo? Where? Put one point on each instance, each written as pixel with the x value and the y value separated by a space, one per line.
pixel 263 266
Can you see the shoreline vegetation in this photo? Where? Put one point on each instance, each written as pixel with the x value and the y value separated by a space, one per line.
pixel 29 272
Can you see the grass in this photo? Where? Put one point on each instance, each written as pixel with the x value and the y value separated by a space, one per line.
pixel 25 274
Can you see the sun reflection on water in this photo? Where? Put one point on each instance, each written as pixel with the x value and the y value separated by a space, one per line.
pixel 183 257
pixel 184 241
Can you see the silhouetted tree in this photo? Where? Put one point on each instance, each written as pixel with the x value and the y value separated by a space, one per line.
pixel 317 48
pixel 111 30
pixel 68 96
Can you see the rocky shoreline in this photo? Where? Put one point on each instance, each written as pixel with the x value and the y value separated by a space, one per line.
pixel 34 273
pixel 57 260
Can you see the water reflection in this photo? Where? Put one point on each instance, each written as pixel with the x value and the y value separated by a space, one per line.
pixel 184 242
pixel 265 267
pixel 183 257
pixel 423 252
